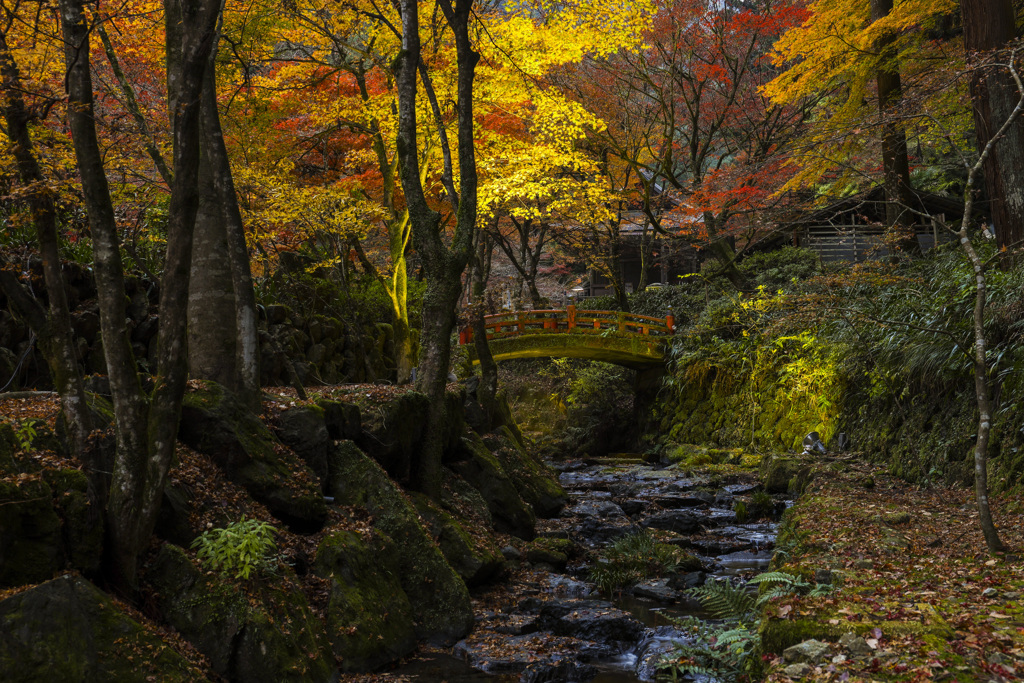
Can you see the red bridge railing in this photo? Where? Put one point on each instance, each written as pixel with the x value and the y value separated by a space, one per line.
pixel 573 321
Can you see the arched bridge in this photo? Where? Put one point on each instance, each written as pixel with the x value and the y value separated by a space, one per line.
pixel 635 341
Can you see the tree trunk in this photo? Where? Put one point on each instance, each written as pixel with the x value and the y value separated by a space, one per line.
pixel 212 331
pixel 895 163
pixel 242 348
pixel 146 431
pixel 487 390
pixel 443 266
pixel 990 25
pixel 53 328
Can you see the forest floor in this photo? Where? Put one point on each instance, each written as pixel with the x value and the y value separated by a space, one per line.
pixel 911 576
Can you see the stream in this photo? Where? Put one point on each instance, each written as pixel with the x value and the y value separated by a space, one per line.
pixel 552 625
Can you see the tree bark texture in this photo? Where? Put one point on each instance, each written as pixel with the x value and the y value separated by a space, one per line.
pixel 246 381
pixel 895 157
pixel 990 25
pixel 443 265
pixel 146 429
pixel 53 327
pixel 487 390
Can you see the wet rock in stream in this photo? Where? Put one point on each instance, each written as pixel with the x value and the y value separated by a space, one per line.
pixel 558 631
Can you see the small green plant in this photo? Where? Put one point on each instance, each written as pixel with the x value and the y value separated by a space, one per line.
pixel 740 508
pixel 729 650
pixel 241 548
pixel 25 433
pixel 761 505
pixel 637 557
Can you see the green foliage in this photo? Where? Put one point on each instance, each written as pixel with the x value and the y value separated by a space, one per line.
pixel 633 558
pixel 24 432
pixel 740 508
pixel 781 268
pixel 242 548
pixel 761 505
pixel 730 650
pixel 598 398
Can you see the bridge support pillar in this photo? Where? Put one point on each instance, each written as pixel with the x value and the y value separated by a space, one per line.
pixel 645 392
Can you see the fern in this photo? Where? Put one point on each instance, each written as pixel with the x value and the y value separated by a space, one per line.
pixel 724 600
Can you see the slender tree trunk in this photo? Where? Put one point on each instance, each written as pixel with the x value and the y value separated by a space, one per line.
pixel 487 390
pixel 443 265
pixel 53 328
pixel 146 430
pixel 899 197
pixel 990 25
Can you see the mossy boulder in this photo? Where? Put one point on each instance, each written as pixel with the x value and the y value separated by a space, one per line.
pixel 484 472
pixel 261 632
pixel 475 556
pixel 303 428
pixel 343 420
pixel 81 522
pixel 391 433
pixel 218 425
pixel 552 551
pixel 536 482
pixel 438 596
pixel 30 532
pixel 369 618
pixel 785 474
pixel 68 630
pixel 47 523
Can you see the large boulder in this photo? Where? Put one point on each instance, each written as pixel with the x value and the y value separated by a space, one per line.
pixel 303 428
pixel 391 433
pixel 47 523
pixel 484 472
pixel 475 556
pixel 785 473
pixel 370 621
pixel 438 596
pixel 218 425
pixel 535 482
pixel 68 630
pixel 262 632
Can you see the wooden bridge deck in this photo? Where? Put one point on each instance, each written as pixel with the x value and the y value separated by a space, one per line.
pixel 627 339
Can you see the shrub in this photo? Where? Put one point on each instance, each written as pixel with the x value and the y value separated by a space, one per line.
pixel 242 548
pixel 636 557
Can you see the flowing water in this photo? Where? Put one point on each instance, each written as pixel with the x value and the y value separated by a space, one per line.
pixel 597 651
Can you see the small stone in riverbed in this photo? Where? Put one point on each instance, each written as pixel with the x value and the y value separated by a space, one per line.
pixel 812 651
pixel 656 589
pixel 823 576
pixel 511 553
pixel 989 593
pixel 797 671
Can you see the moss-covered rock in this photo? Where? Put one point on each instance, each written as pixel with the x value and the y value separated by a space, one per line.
pixel 81 522
pixel 264 633
pixel 475 556
pixel 303 428
pixel 342 419
pixel 553 551
pixel 30 532
pixel 438 596
pixel 215 423
pixel 391 433
pixel 68 630
pixel 369 618
pixel 536 483
pixel 785 474
pixel 484 472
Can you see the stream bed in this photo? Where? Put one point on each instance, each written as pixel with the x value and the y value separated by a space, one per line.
pixel 550 624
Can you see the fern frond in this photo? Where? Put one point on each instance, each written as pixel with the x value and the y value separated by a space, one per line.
pixel 724 600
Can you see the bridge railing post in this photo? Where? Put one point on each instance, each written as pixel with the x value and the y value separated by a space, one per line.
pixel 670 323
pixel 622 322
pixel 522 322
pixel 570 317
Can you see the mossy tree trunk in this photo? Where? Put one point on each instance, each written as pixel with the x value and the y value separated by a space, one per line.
pixel 223 334
pixel 52 326
pixel 146 426
pixel 443 265
pixel 487 390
